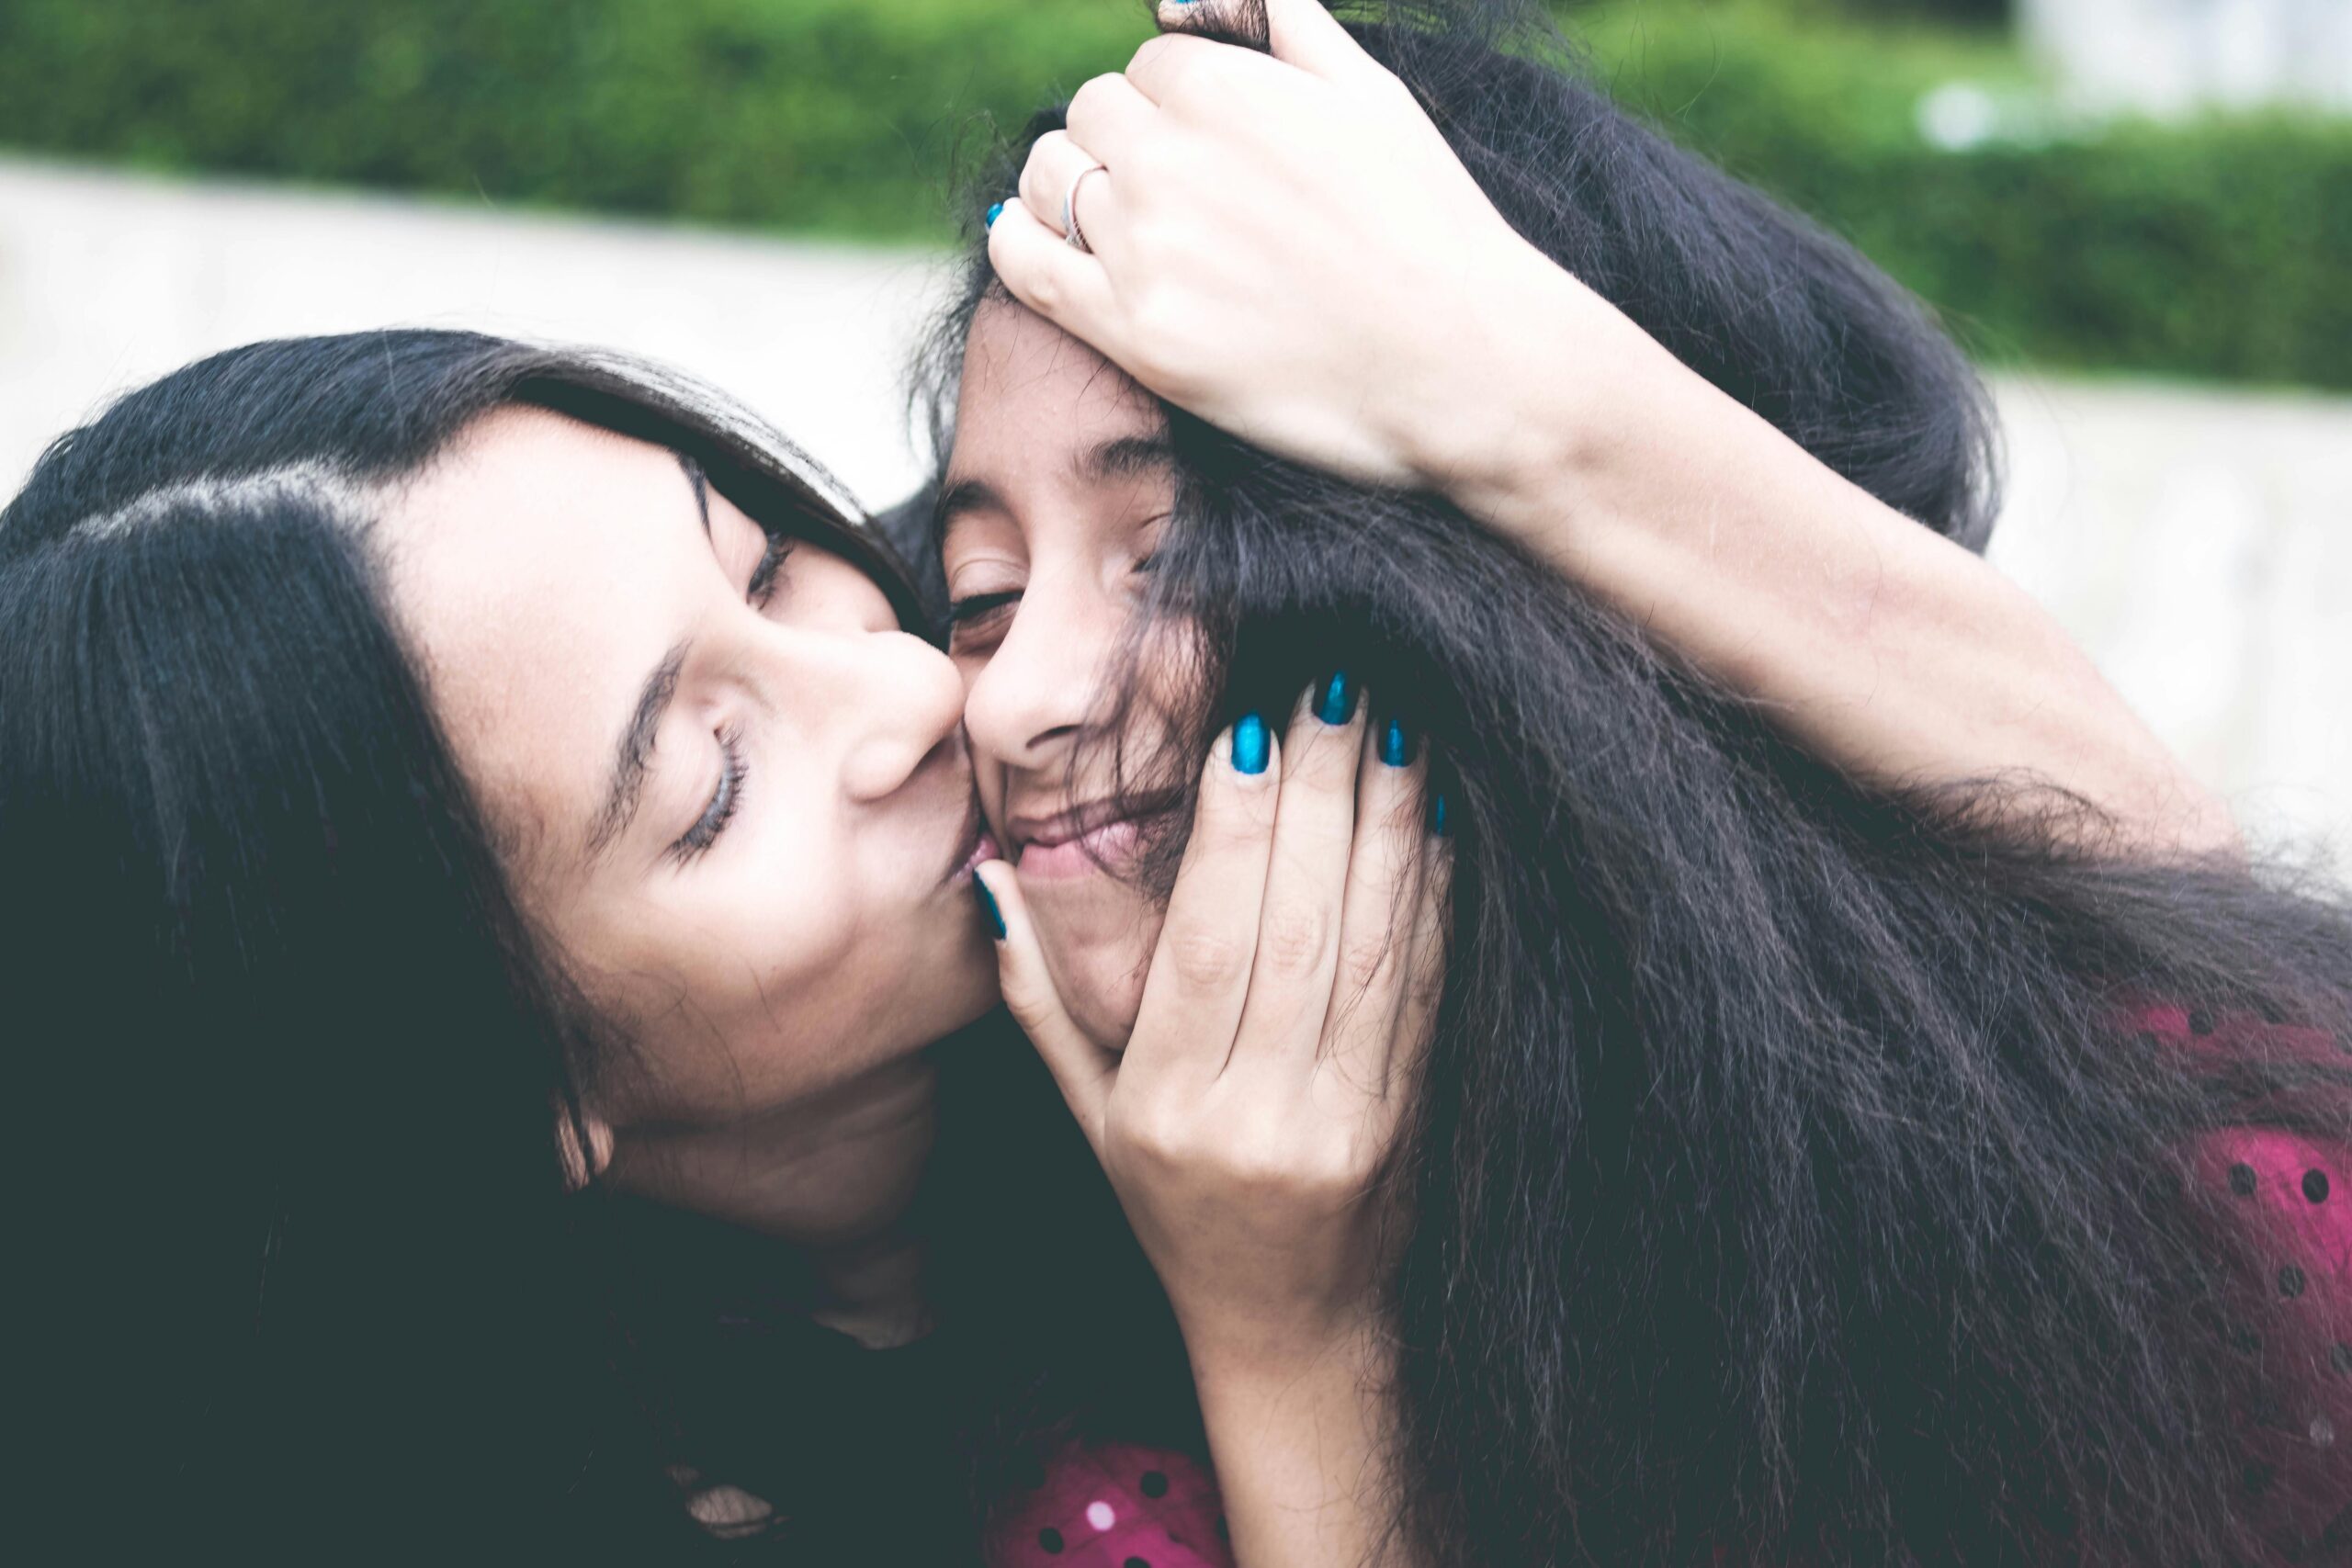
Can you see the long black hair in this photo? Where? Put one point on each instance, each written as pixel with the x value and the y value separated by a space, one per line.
pixel 305 1274
pixel 1804 1171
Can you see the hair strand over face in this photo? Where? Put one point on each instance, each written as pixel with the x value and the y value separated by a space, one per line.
pixel 1799 1174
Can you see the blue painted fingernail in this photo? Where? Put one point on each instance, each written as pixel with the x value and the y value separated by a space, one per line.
pixel 1396 743
pixel 1249 746
pixel 1437 824
pixel 1338 703
pixel 994 213
pixel 988 908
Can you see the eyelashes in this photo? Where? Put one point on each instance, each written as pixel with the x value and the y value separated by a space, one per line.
pixel 735 769
pixel 734 774
pixel 974 619
pixel 764 576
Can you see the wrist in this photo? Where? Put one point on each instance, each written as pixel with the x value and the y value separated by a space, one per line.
pixel 1264 1351
pixel 1550 394
pixel 1510 406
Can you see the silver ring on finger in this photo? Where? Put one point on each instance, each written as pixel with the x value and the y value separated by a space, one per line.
pixel 1070 231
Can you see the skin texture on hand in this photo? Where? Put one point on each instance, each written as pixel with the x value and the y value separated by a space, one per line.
pixel 1285 246
pixel 1246 1125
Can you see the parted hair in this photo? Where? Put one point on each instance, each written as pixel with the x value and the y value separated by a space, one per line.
pixel 300 1273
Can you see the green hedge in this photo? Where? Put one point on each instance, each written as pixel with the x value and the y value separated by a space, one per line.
pixel 831 114
pixel 2216 250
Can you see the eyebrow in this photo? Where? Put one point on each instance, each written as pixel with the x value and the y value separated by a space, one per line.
pixel 625 786
pixel 1121 458
pixel 1124 457
pixel 625 789
pixel 701 481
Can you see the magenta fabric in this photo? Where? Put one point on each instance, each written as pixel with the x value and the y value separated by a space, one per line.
pixel 1115 1505
pixel 1119 1505
pixel 2290 1200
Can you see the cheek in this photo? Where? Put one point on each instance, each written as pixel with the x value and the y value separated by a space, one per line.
pixel 725 998
pixel 1098 943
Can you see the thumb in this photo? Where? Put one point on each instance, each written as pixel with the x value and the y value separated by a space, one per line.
pixel 1304 33
pixel 1082 1070
pixel 1298 32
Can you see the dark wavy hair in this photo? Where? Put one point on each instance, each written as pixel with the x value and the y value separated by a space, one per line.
pixel 1801 1168
pixel 303 1275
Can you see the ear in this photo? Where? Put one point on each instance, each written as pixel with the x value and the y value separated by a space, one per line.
pixel 584 1144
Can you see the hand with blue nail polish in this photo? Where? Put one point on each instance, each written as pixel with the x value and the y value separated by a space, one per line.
pixel 1290 985
pixel 1244 1117
pixel 1396 743
pixel 1338 703
pixel 1249 745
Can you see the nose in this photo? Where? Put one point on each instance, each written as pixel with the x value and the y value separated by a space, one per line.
pixel 1039 686
pixel 896 699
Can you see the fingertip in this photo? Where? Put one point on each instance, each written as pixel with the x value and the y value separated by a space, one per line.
pixel 1396 743
pixel 1304 33
pixel 991 907
pixel 1041 270
pixel 1249 746
pixel 1234 802
pixel 1336 701
pixel 1019 963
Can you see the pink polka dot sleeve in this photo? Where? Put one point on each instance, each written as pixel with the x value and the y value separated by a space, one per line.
pixel 1114 1505
pixel 2290 1197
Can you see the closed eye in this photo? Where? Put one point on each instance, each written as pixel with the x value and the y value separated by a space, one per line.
pixel 974 620
pixel 724 800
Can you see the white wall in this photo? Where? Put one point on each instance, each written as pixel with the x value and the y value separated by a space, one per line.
pixel 2168 57
pixel 2200 541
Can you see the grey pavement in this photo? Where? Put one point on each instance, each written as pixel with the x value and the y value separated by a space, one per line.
pixel 2198 540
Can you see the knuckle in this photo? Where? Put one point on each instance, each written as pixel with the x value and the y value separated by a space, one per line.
pixel 1041 291
pixel 1364 966
pixel 1092 96
pixel 1333 1169
pixel 1202 93
pixel 1205 960
pixel 1149 54
pixel 1156 1136
pixel 1292 942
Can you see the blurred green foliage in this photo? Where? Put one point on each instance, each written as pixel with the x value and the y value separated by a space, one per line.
pixel 2214 250
pixel 831 114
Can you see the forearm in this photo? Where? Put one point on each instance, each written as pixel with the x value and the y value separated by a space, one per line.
pixel 1891 651
pixel 1303 1451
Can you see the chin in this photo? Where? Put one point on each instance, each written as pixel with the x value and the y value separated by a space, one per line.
pixel 956 989
pixel 1101 984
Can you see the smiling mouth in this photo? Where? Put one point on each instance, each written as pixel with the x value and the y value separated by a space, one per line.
pixel 1077 842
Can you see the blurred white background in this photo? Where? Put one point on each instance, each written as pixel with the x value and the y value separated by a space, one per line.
pixel 2198 541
